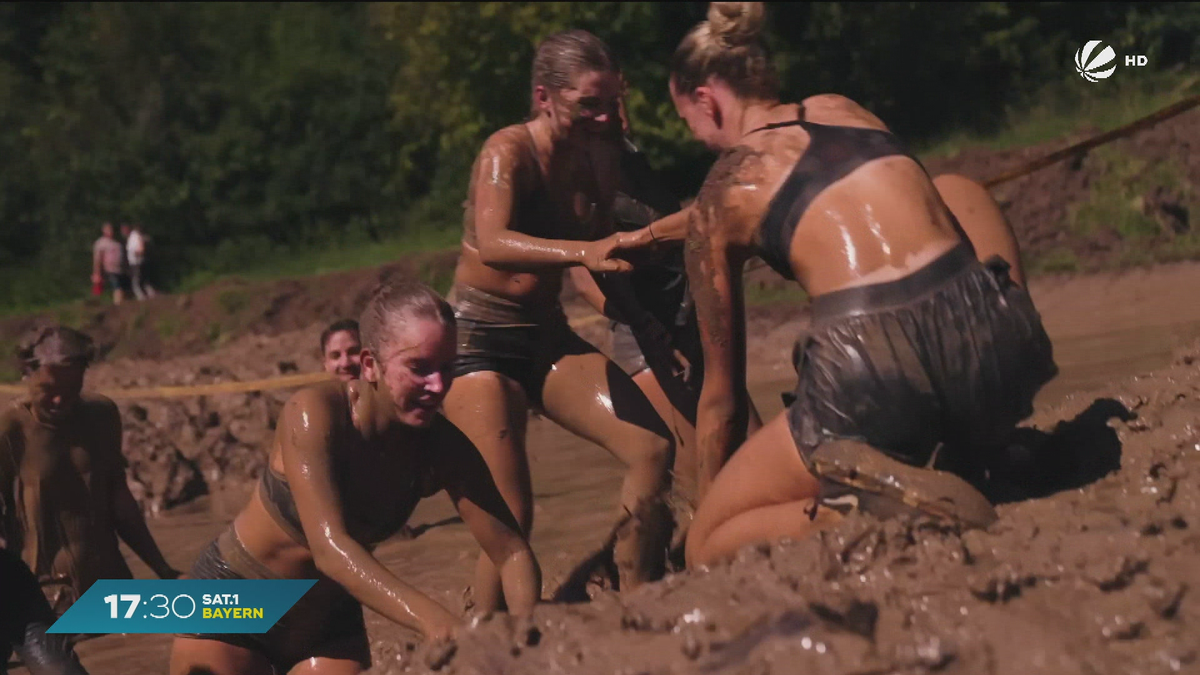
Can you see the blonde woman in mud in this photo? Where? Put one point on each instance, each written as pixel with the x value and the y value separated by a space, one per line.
pixel 539 202
pixel 349 463
pixel 917 351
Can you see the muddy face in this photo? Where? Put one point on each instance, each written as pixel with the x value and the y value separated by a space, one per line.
pixel 589 109
pixel 343 355
pixel 54 391
pixel 415 370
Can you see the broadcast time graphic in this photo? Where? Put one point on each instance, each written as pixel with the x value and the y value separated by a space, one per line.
pixel 182 606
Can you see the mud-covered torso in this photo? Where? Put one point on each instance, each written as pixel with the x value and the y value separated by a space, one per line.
pixel 566 200
pixel 58 490
pixel 378 482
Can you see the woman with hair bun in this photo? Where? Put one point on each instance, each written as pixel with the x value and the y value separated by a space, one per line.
pixel 920 358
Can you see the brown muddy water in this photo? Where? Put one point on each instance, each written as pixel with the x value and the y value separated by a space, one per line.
pixel 1105 330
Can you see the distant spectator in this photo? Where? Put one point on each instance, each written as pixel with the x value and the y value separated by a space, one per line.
pixel 135 254
pixel 107 256
pixel 340 347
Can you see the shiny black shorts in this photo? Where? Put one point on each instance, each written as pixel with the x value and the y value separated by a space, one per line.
pixel 950 356
pixel 24 617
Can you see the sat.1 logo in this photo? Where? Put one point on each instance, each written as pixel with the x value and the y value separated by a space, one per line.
pixel 1097 61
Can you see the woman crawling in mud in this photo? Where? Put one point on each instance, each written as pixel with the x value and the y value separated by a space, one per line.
pixel 920 358
pixel 540 201
pixel 349 463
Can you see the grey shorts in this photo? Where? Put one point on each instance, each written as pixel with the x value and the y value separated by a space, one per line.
pixel 625 350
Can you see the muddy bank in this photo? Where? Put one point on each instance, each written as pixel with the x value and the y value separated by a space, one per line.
pixel 1092 572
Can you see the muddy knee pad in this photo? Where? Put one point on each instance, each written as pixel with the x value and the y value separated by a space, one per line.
pixel 642 540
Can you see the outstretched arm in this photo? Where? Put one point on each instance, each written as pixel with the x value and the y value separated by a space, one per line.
pixel 469 483
pixel 128 518
pixel 307 465
pixel 714 269
pixel 496 178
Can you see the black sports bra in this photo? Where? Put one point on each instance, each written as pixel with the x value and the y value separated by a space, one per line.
pixel 833 153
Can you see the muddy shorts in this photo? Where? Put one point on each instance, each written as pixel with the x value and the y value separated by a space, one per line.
pixel 501 336
pixel 948 357
pixel 316 626
pixel 25 615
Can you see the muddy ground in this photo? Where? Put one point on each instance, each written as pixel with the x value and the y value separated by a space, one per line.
pixel 1091 576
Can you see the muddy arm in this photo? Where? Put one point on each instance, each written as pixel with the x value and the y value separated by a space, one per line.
pixel 665 230
pixel 496 178
pixel 130 522
pixel 714 270
pixel 478 501
pixel 306 447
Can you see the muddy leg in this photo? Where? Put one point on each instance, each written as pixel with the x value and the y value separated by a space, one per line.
pixel 590 396
pixel 763 494
pixel 492 411
pixel 211 657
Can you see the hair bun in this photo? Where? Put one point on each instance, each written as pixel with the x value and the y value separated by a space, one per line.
pixel 736 23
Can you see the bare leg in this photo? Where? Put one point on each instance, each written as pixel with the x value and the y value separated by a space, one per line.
pixel 211 657
pixel 764 493
pixel 685 434
pixel 492 411
pixel 590 396
pixel 982 220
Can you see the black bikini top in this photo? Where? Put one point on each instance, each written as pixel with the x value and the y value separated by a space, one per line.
pixel 833 153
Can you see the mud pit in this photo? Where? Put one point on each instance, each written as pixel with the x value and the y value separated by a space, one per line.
pixel 1092 579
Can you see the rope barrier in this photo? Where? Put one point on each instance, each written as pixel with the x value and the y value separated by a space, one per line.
pixel 291 381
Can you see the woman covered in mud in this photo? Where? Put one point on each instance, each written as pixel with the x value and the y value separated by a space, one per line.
pixel 670 381
pixel 919 358
pixel 341 350
pixel 349 463
pixel 540 201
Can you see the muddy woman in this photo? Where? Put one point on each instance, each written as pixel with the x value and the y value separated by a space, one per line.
pixel 349 462
pixel 919 358
pixel 540 201
pixel 64 499
pixel 669 372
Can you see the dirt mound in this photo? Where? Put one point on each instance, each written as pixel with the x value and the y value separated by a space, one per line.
pixel 1095 576
pixel 182 324
pixel 1141 189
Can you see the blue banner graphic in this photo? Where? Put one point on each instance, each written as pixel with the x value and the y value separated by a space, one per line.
pixel 182 606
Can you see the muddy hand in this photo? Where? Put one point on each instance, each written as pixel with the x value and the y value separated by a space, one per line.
pixel 599 256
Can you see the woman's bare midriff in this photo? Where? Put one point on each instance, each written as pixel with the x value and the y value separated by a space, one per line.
pixel 525 288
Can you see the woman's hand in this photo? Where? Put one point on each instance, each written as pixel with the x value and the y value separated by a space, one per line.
pixel 600 256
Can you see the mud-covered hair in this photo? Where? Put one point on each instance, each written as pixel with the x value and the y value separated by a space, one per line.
pixel 54 345
pixel 395 302
pixel 348 325
pixel 727 46
pixel 563 55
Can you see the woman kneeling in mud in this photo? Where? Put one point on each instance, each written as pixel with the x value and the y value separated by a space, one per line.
pixel 917 351
pixel 540 201
pixel 349 463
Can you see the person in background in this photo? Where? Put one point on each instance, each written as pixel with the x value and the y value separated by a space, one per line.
pixel 135 255
pixel 341 350
pixel 107 256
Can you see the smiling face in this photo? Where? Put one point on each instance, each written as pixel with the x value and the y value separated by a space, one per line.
pixel 343 355
pixel 587 109
pixel 54 391
pixel 414 370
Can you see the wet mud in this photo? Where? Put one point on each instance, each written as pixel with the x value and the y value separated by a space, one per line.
pixel 1089 569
